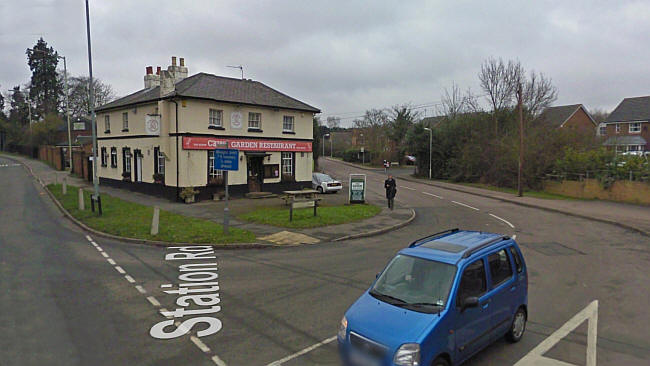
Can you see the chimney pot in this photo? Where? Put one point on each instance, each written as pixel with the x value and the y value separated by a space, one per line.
pixel 149 70
pixel 158 70
pixel 182 61
pixel 173 60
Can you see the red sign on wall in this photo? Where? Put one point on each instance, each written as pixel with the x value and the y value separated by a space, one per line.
pixel 210 143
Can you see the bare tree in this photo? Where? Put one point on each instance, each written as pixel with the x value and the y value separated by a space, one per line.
pixel 499 81
pixel 453 102
pixel 79 96
pixel 599 115
pixel 472 104
pixel 333 122
pixel 538 93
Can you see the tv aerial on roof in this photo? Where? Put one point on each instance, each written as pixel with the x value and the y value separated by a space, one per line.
pixel 240 67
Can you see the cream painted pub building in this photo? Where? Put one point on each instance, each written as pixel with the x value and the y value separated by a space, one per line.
pixel 162 138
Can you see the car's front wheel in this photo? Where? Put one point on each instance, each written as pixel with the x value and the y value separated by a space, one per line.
pixel 440 362
pixel 517 327
pixel 319 189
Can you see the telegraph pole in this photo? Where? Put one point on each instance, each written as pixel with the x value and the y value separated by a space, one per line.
pixel 91 91
pixel 521 139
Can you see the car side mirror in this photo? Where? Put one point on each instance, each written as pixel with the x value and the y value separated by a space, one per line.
pixel 470 302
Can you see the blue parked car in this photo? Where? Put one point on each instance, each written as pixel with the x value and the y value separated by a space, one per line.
pixel 438 302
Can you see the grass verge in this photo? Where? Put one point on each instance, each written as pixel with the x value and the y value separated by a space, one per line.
pixel 304 217
pixel 133 220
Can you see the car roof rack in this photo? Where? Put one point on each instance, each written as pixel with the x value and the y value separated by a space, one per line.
pixel 432 236
pixel 471 251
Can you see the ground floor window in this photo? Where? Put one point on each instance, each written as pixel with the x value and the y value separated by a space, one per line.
pixel 113 157
pixel 126 159
pixel 287 165
pixel 104 156
pixel 215 176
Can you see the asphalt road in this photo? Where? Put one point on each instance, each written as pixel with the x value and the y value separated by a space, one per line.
pixel 63 302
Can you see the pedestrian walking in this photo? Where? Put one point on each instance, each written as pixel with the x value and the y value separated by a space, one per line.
pixel 391 190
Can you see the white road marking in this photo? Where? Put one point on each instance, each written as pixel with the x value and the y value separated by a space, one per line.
pixel 140 289
pixel 431 194
pixel 218 361
pixel 89 238
pixel 166 285
pixel 129 278
pixel 99 249
pixel 468 206
pixel 93 243
pixel 409 188
pixel 153 301
pixel 104 255
pixel 504 220
pixel 536 355
pixel 119 269
pixel 200 344
pixel 302 352
pixel 111 261
pixel 514 237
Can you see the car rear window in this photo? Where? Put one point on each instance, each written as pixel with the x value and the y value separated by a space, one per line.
pixel 500 267
pixel 517 259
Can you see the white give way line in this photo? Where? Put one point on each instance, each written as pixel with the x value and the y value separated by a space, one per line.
pixel 431 194
pixel 468 206
pixel 504 220
pixel 409 188
pixel 200 345
pixel 302 352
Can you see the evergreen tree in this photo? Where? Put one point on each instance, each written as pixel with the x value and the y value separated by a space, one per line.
pixel 45 88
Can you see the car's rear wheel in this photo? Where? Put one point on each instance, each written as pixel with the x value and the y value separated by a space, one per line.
pixel 518 326
pixel 319 189
pixel 440 361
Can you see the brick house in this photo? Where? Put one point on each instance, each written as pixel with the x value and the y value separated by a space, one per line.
pixel 573 116
pixel 627 128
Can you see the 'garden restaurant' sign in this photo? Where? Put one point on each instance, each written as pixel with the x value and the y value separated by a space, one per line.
pixel 210 143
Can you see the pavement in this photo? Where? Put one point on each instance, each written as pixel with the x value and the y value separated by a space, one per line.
pixel 630 216
pixel 213 210
pixel 70 298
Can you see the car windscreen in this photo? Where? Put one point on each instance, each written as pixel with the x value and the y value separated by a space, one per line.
pixel 323 177
pixel 418 284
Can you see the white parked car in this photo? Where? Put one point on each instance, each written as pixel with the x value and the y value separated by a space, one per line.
pixel 323 183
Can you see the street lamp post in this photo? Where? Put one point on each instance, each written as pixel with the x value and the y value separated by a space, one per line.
pixel 324 136
pixel 331 151
pixel 91 91
pixel 430 148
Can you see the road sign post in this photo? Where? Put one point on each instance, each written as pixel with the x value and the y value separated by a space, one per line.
pixel 226 160
pixel 357 184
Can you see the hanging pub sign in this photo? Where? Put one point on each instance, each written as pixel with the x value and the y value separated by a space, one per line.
pixel 210 143
pixel 152 124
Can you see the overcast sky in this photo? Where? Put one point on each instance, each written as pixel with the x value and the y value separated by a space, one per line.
pixel 345 56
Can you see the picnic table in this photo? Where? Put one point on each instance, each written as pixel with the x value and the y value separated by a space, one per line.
pixel 305 194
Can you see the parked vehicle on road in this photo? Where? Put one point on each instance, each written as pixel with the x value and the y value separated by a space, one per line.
pixel 323 183
pixel 438 302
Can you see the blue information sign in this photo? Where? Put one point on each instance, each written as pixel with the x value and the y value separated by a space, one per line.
pixel 226 159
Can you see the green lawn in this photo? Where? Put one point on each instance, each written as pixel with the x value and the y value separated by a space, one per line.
pixel 304 217
pixel 133 220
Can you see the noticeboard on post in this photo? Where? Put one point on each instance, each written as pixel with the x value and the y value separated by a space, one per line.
pixel 226 159
pixel 357 186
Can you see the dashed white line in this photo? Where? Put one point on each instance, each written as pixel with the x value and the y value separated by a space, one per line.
pixel 217 361
pixel 468 206
pixel 302 352
pixel 89 238
pixel 153 301
pixel 166 285
pixel 514 237
pixel 409 188
pixel 140 289
pixel 163 311
pixel 200 344
pixel 104 255
pixel 504 220
pixel 99 249
pixel 431 194
pixel 93 243
pixel 129 278
pixel 119 269
pixel 111 261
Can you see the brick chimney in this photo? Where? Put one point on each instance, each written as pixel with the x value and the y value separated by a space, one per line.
pixel 151 80
pixel 178 72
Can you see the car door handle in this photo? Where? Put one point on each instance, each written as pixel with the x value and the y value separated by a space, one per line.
pixel 513 288
pixel 485 306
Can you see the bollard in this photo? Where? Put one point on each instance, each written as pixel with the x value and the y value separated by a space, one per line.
pixel 81 199
pixel 64 188
pixel 155 220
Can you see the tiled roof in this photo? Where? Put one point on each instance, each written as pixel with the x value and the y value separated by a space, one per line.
pixel 631 109
pixel 222 89
pixel 557 115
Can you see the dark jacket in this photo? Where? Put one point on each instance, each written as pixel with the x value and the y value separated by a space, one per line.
pixel 391 188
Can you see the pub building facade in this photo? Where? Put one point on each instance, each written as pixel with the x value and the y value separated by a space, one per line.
pixel 162 138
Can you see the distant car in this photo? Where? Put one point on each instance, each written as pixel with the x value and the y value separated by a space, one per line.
pixel 438 302
pixel 323 183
